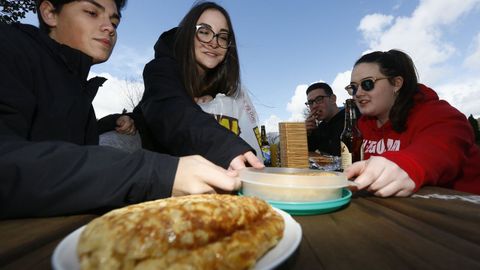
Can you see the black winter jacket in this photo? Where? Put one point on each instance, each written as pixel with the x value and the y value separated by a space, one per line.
pixel 176 124
pixel 49 161
pixel 326 137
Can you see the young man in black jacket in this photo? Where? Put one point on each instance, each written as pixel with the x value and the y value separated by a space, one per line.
pixel 50 163
pixel 325 121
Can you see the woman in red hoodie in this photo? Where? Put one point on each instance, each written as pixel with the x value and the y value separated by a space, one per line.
pixel 411 137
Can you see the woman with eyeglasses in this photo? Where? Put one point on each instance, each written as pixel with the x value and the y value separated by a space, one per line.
pixel 193 63
pixel 411 137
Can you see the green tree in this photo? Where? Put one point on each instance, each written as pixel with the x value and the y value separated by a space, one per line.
pixel 14 10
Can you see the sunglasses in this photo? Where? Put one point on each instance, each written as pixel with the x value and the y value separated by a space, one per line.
pixel 367 84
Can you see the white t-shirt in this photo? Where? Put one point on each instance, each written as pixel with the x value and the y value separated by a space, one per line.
pixel 237 114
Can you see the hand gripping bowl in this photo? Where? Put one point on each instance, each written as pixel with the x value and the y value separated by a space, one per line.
pixel 292 185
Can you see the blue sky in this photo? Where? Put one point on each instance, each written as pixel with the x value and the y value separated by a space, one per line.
pixel 286 45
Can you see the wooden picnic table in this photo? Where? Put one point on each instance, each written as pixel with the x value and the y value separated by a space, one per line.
pixel 437 228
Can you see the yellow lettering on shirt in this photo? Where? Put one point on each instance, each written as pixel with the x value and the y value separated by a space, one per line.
pixel 229 123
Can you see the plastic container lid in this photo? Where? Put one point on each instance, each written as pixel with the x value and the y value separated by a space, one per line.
pixel 292 185
pixel 293 178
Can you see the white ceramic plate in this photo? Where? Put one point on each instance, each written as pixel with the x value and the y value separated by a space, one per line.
pixel 65 254
pixel 292 235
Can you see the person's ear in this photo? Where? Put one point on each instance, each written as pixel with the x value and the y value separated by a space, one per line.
pixel 334 98
pixel 48 13
pixel 397 83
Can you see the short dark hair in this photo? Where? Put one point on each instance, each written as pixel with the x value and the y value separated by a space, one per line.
pixel 320 85
pixel 58 4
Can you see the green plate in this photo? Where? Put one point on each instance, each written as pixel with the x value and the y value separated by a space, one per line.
pixel 313 208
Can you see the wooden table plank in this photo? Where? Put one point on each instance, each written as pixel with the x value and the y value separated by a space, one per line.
pixel 36 259
pixel 371 232
pixel 302 258
pixel 21 236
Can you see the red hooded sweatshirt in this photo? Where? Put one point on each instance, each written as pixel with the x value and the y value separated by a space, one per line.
pixel 437 148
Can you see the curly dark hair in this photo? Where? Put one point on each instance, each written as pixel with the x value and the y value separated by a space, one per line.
pixel 395 63
pixel 58 4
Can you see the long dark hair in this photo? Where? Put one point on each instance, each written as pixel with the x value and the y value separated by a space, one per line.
pixel 392 64
pixel 224 78
pixel 58 5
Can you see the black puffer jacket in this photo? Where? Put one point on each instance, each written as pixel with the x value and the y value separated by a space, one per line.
pixel 176 124
pixel 326 137
pixel 49 161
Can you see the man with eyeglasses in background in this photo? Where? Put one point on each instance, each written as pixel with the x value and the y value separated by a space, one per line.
pixel 325 121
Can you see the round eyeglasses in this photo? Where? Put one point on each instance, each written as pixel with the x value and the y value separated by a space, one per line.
pixel 205 34
pixel 367 84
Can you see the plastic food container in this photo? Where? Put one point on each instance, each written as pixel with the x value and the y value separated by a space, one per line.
pixel 292 185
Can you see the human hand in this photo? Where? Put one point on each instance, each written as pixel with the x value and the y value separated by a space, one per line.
pixel 311 121
pixel 239 161
pixel 382 177
pixel 203 99
pixel 196 175
pixel 125 125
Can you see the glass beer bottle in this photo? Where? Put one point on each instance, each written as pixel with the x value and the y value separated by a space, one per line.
pixel 265 147
pixel 351 140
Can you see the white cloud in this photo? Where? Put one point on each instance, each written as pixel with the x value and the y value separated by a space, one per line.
pixel 271 124
pixel 420 35
pixel 338 86
pixel 373 25
pixel 113 96
pixel 472 61
pixel 462 95
pixel 437 12
pixel 296 106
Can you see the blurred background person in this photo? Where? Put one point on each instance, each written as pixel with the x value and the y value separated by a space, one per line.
pixel 325 120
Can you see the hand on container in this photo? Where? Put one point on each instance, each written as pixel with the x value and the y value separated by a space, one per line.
pixel 196 175
pixel 125 125
pixel 239 162
pixel 382 177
